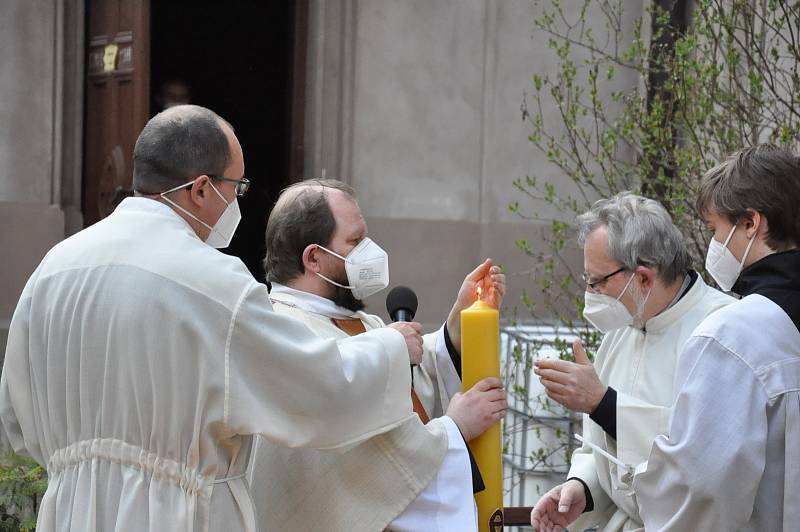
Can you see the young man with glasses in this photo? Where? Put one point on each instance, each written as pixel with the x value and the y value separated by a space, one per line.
pixel 642 293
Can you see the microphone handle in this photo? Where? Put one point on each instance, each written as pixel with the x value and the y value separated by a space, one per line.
pixel 404 315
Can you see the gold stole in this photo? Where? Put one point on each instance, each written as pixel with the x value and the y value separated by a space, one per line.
pixel 355 326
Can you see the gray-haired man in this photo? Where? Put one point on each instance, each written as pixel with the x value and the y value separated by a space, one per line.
pixel 641 291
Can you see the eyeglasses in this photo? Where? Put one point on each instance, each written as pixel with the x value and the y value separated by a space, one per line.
pixel 594 283
pixel 242 185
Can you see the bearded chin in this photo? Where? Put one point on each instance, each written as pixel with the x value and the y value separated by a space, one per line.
pixel 344 298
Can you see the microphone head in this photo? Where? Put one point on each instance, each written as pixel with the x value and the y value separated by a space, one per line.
pixel 401 298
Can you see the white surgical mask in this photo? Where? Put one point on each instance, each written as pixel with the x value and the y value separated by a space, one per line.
pixel 221 234
pixel 722 264
pixel 607 313
pixel 367 267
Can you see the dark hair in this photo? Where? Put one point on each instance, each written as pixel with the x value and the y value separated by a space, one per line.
pixel 301 216
pixel 764 178
pixel 178 145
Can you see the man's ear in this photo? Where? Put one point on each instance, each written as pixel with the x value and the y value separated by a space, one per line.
pixel 646 275
pixel 311 256
pixel 754 223
pixel 199 191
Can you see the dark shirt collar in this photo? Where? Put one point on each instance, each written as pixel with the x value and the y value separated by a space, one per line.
pixel 776 277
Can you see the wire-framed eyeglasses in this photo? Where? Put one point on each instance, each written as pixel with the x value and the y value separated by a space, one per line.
pixel 242 185
pixel 594 283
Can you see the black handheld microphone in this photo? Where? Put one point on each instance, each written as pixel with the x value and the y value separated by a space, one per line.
pixel 401 303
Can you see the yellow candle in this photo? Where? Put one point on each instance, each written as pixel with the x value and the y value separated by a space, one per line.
pixel 480 358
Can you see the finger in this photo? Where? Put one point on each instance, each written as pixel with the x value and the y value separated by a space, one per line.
pixel 416 326
pixel 554 363
pixel 500 407
pixel 565 501
pixel 558 398
pixel 555 387
pixel 580 353
pixel 553 375
pixel 480 272
pixel 500 287
pixel 487 384
pixel 491 396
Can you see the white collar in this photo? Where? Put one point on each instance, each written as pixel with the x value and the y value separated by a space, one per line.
pixel 139 203
pixel 675 312
pixel 309 302
pixel 142 204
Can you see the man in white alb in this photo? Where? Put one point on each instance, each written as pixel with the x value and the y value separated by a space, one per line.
pixel 141 361
pixel 640 292
pixel 416 477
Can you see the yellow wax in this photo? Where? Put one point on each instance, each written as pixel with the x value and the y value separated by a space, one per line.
pixel 480 358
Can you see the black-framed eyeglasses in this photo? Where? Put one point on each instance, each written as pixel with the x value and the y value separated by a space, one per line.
pixel 242 185
pixel 592 283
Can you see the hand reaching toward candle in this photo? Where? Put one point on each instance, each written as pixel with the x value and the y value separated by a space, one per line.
pixel 492 284
pixel 574 385
pixel 478 408
pixel 412 334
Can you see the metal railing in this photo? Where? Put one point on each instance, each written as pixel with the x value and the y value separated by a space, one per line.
pixel 537 433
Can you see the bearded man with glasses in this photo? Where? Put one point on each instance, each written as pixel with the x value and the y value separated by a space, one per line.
pixel 643 295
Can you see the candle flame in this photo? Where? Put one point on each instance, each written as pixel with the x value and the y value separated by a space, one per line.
pixel 479 292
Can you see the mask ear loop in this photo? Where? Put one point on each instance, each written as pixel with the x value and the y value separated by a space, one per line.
pixel 227 203
pixel 331 280
pixel 730 235
pixel 746 252
pixel 626 286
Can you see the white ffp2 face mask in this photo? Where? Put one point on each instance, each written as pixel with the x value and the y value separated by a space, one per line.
pixel 722 264
pixel 221 234
pixel 606 313
pixel 367 268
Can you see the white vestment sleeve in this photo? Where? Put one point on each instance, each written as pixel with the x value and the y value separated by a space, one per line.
pixel 584 467
pixel 447 371
pixel 705 475
pixel 446 504
pixel 18 409
pixel 299 390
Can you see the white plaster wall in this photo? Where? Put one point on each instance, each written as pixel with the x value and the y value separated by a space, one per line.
pixel 418 108
pixel 27 60
pixel 41 104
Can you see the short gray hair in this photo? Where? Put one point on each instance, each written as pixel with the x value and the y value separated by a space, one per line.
pixel 640 233
pixel 176 146
pixel 301 216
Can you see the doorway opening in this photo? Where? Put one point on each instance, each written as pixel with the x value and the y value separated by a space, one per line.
pixel 240 59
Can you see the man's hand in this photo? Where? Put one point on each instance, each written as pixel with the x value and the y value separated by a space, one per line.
pixel 479 407
pixel 574 385
pixel 412 332
pixel 492 283
pixel 559 507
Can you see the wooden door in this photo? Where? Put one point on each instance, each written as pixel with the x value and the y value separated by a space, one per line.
pixel 117 99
